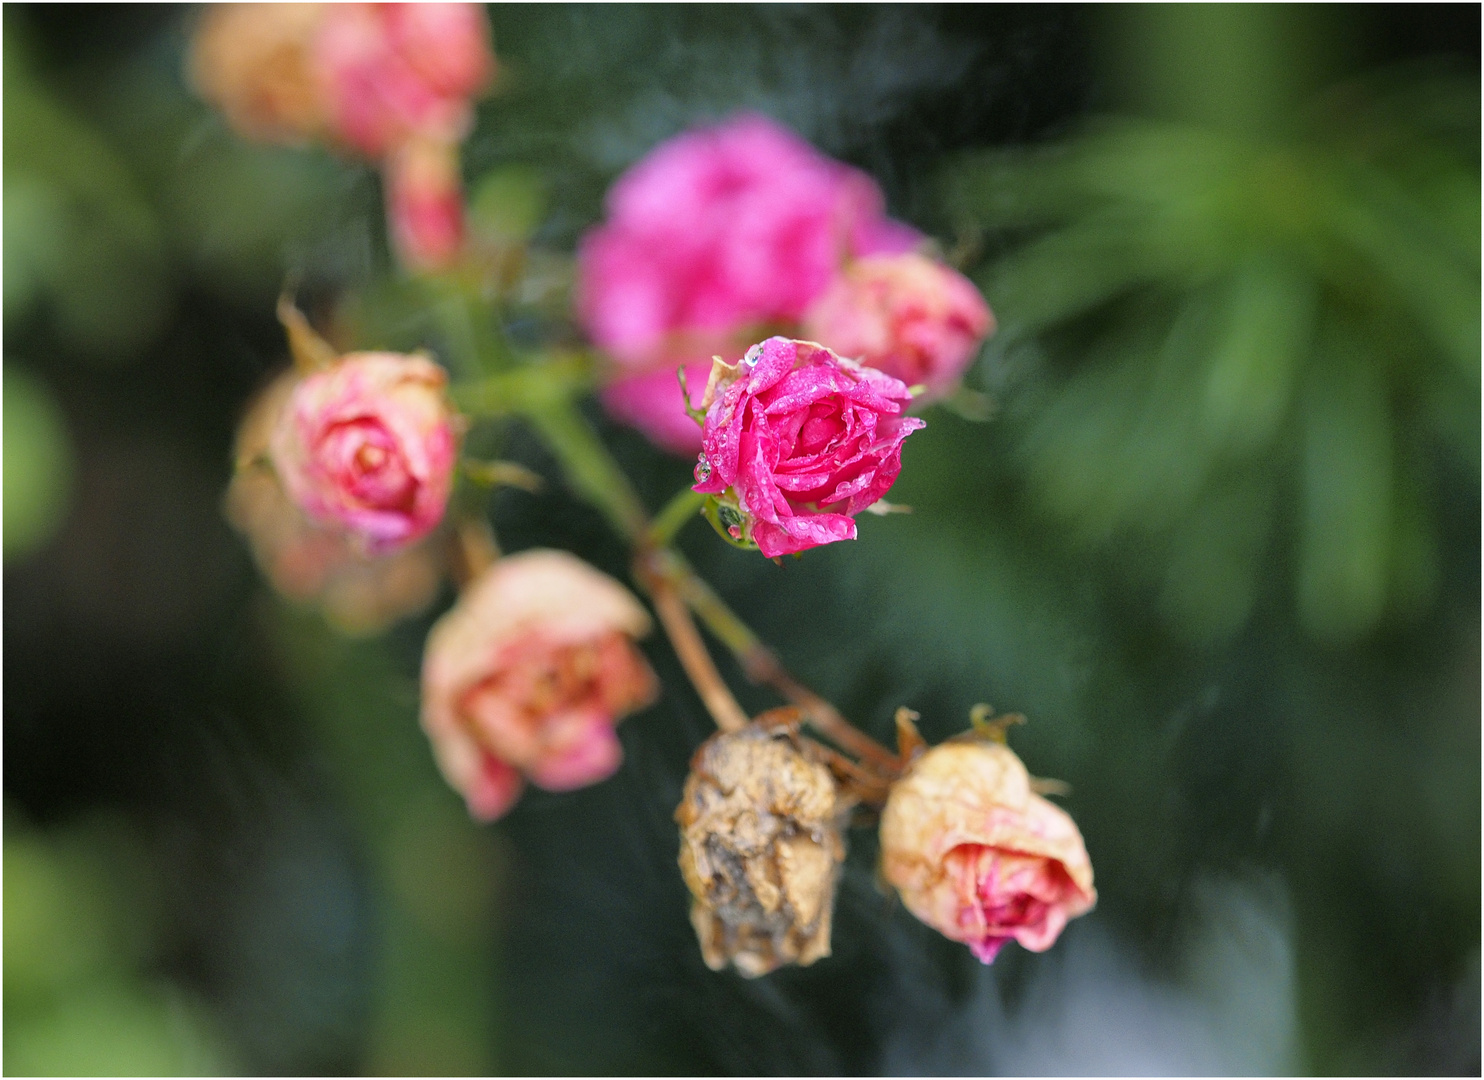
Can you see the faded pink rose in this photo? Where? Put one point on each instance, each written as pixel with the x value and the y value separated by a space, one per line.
pixel 309 561
pixel 369 444
pixel 390 72
pixel 425 204
pixel 797 441
pixel 528 674
pixel 907 315
pixel 366 76
pixel 717 235
pixel 393 83
pixel 977 855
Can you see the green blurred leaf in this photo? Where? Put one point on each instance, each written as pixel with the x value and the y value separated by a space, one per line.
pixel 1347 485
pixel 38 463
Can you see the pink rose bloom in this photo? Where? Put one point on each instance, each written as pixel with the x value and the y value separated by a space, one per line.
pixel 369 444
pixel 977 855
pixel 715 235
pixel 393 71
pixel 798 441
pixel 907 315
pixel 528 674
pixel 313 562
pixel 425 204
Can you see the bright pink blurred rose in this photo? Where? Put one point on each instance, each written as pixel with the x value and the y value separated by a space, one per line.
pixel 718 234
pixel 528 674
pixel 390 72
pixel 977 855
pixel 801 441
pixel 907 315
pixel 369 444
pixel 425 204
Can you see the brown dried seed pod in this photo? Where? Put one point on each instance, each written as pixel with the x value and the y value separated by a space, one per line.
pixel 760 849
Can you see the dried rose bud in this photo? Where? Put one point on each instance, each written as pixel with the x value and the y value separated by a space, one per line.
pixel 977 855
pixel 368 444
pixel 312 562
pixel 798 441
pixel 528 674
pixel 760 849
pixel 907 315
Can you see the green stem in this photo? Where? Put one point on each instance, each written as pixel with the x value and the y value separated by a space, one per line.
pixel 676 514
pixel 549 382
pixel 590 468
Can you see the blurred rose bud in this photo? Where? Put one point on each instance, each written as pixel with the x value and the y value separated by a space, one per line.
pixel 907 315
pixel 311 562
pixel 425 204
pixel 393 83
pixel 528 674
pixel 797 441
pixel 368 444
pixel 391 72
pixel 718 233
pixel 255 63
pixel 760 850
pixel 977 855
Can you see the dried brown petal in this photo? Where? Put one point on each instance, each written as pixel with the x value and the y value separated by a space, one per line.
pixel 760 850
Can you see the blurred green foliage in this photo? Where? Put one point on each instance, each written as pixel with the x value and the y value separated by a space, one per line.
pixel 79 934
pixel 38 463
pixel 1249 333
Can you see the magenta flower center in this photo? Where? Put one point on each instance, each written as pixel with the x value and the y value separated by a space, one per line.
pixel 366 461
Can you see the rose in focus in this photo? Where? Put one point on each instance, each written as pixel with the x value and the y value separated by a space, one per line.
pixel 369 444
pixel 907 315
pixel 797 441
pixel 527 676
pixel 715 235
pixel 977 855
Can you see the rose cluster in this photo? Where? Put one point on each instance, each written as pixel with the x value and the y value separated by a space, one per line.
pixel 725 234
pixel 347 467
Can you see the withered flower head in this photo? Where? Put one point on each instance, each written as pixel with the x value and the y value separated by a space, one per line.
pixel 760 849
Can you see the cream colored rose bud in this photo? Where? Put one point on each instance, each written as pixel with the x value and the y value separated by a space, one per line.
pixel 980 857
pixel 760 850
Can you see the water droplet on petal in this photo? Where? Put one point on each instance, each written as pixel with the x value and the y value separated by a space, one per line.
pixel 703 470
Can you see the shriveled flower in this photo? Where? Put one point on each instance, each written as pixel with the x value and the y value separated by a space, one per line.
pixel 527 676
pixel 907 315
pixel 318 563
pixel 369 444
pixel 797 441
pixel 715 235
pixel 760 850
pixel 980 857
